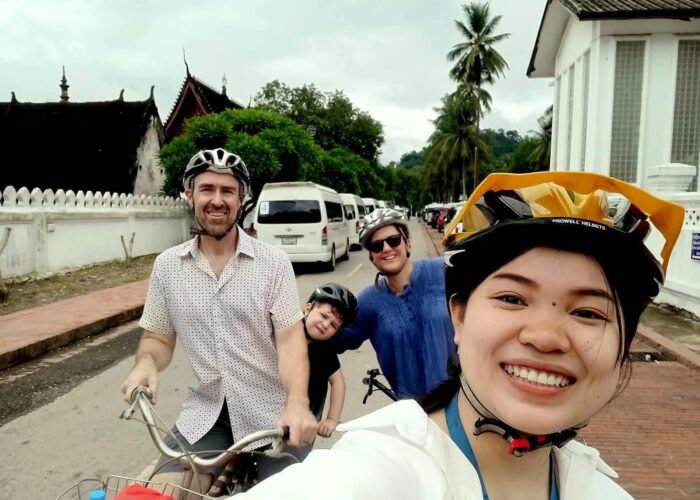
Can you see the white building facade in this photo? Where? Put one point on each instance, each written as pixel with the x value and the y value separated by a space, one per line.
pixel 627 91
pixel 627 104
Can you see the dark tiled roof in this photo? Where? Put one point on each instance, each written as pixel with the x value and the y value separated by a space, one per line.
pixel 215 101
pixel 632 9
pixel 195 98
pixel 72 145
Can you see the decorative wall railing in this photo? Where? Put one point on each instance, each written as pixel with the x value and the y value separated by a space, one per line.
pixel 22 197
pixel 52 231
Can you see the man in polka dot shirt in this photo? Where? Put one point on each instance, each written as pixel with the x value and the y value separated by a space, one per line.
pixel 232 302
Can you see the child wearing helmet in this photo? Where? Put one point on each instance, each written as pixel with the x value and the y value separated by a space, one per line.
pixel 329 308
pixel 545 289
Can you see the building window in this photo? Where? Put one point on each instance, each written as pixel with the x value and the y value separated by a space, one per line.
pixel 570 115
pixel 555 124
pixel 584 118
pixel 685 147
pixel 627 110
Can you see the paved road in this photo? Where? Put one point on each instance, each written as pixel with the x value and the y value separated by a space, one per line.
pixel 59 414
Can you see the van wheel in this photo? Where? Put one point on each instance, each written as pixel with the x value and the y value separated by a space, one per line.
pixel 346 255
pixel 330 265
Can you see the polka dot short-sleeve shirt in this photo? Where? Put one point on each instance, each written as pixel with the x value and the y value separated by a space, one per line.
pixel 226 327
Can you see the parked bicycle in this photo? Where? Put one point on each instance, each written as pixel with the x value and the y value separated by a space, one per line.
pixel 372 383
pixel 243 479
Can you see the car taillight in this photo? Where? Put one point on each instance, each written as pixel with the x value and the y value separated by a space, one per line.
pixel 357 226
pixel 324 236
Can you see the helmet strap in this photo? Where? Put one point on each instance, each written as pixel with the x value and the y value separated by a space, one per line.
pixel 519 443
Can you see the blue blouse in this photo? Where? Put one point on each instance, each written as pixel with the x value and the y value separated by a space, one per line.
pixel 411 333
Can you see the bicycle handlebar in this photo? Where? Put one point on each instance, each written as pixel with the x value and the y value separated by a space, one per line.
pixel 141 397
pixel 371 382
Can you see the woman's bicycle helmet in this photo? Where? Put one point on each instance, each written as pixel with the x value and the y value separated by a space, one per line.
pixel 608 219
pixel 217 160
pixel 379 218
pixel 339 297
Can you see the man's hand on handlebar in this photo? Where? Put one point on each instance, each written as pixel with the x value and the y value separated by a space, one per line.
pixel 301 422
pixel 144 374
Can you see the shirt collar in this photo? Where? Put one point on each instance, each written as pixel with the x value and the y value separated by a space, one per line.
pixel 245 246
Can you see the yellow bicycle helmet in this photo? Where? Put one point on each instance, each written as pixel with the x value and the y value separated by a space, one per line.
pixel 593 214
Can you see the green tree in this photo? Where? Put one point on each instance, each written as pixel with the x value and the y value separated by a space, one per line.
pixel 412 160
pixel 543 148
pixel 501 143
pixel 455 138
pixel 330 117
pixel 476 60
pixel 274 147
pixel 521 159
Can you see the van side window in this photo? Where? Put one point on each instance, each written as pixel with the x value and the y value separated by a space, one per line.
pixel 349 212
pixel 361 211
pixel 289 212
pixel 334 211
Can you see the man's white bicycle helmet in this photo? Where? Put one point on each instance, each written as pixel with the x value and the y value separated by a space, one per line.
pixel 379 218
pixel 217 160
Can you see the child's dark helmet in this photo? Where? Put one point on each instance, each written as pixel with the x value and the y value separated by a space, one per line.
pixel 339 297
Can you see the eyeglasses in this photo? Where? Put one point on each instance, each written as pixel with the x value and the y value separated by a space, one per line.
pixel 378 245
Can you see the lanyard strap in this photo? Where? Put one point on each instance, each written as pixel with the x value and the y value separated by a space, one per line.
pixel 459 437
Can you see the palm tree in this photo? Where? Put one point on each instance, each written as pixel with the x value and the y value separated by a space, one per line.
pixel 455 137
pixel 477 62
pixel 543 137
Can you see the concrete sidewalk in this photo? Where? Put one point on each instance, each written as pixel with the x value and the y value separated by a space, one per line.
pixel 24 335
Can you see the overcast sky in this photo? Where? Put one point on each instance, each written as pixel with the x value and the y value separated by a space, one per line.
pixel 388 56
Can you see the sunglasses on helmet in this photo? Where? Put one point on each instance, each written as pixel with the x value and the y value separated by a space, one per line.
pixel 378 245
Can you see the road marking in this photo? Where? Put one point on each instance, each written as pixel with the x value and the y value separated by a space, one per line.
pixel 352 273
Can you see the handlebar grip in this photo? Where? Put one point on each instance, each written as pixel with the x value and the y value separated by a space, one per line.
pixel 141 390
pixel 285 433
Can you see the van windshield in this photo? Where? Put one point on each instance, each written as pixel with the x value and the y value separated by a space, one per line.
pixel 289 212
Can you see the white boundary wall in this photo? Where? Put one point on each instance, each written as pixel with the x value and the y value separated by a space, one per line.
pixel 682 286
pixel 51 231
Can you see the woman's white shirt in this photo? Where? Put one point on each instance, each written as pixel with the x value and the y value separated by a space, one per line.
pixel 398 452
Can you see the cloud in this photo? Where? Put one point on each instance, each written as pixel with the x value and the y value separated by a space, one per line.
pixel 387 56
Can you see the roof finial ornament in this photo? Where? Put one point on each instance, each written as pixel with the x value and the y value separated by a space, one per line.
pixel 184 58
pixel 223 86
pixel 14 98
pixel 152 88
pixel 64 87
pixel 121 95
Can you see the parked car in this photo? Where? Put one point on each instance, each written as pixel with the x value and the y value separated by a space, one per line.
pixel 441 218
pixel 434 217
pixel 304 219
pixel 370 205
pixel 354 212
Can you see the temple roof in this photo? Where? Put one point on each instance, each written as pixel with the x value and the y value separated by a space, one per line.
pixel 73 145
pixel 196 98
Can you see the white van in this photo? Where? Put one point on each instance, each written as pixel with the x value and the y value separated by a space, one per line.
pixel 305 220
pixel 381 204
pixel 354 212
pixel 370 205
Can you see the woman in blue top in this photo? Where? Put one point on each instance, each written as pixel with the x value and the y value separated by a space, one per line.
pixel 545 287
pixel 404 315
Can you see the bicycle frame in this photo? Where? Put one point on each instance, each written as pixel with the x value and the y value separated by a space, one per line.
pixel 190 462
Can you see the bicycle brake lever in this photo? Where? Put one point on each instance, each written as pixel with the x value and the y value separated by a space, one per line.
pixel 129 412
